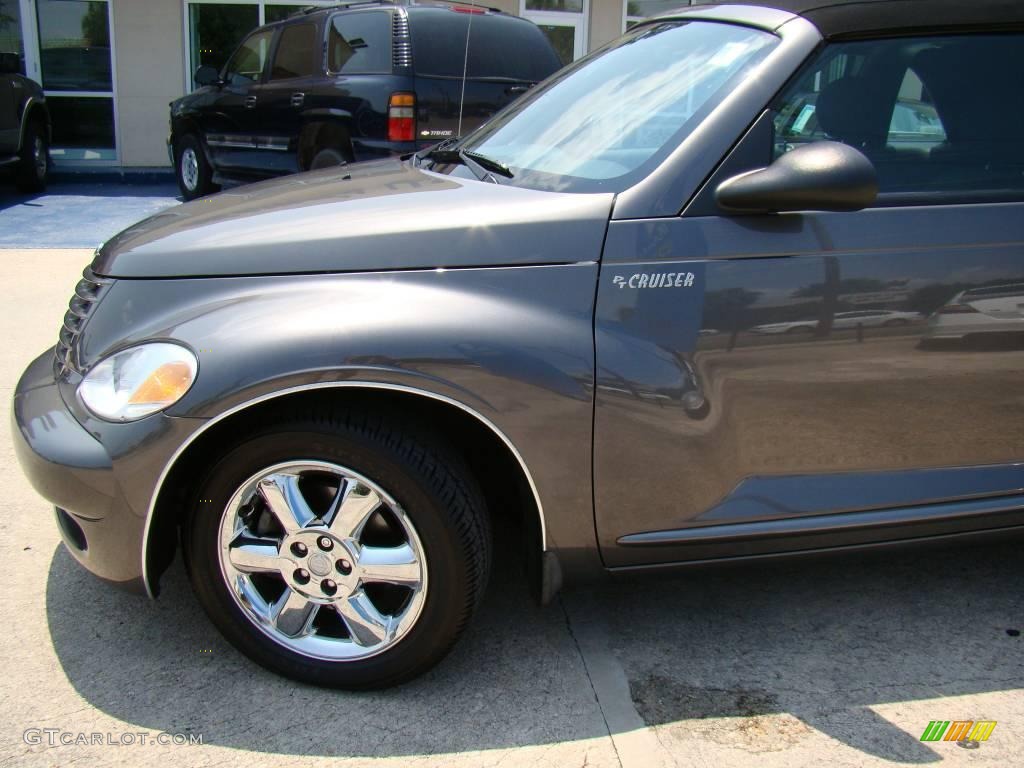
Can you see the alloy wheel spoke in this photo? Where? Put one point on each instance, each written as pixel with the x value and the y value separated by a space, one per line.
pixel 293 614
pixel 391 565
pixel 286 502
pixel 351 508
pixel 365 623
pixel 252 555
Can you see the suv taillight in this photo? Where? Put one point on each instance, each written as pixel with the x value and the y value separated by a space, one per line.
pixel 402 117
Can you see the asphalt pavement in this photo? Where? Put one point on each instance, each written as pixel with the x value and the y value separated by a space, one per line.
pixel 80 213
pixel 837 662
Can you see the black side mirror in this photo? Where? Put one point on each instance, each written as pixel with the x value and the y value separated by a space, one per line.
pixel 10 63
pixel 207 75
pixel 822 176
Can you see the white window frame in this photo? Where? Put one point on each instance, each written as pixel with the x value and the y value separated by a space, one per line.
pixel 579 22
pixel 261 16
pixel 626 18
pixel 33 68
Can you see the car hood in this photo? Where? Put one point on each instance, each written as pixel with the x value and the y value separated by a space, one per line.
pixel 381 215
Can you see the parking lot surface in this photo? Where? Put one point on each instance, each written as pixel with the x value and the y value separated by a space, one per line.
pixel 837 662
pixel 78 214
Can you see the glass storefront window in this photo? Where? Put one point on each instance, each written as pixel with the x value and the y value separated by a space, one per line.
pixel 76 70
pixel 10 30
pixel 279 12
pixel 563 22
pixel 82 123
pixel 562 40
pixel 559 6
pixel 638 10
pixel 74 45
pixel 216 29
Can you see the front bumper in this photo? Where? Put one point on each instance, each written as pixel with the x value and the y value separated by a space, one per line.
pixel 70 468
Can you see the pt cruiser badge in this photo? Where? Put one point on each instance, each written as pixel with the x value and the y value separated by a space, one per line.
pixel 656 280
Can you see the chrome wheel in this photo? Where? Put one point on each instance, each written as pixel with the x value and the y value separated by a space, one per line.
pixel 39 156
pixel 322 560
pixel 189 169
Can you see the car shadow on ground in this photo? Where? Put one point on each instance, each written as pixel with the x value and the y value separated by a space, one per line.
pixel 822 640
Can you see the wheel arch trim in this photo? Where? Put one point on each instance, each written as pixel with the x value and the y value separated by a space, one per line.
pixel 33 106
pixel 181 450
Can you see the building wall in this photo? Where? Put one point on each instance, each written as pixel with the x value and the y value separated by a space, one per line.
pixel 605 22
pixel 150 51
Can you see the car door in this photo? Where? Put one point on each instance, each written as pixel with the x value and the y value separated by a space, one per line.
pixel 297 61
pixel 713 441
pixel 232 121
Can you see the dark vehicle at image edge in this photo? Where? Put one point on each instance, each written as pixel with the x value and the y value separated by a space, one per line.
pixel 352 82
pixel 345 390
pixel 24 127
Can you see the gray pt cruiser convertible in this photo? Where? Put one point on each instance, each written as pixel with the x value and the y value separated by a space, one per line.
pixel 343 391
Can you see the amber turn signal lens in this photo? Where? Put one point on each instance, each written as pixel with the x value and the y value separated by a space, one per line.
pixel 165 385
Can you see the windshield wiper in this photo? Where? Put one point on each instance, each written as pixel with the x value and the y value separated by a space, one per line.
pixel 437 151
pixel 485 162
pixel 482 166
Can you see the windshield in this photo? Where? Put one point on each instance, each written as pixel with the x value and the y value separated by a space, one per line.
pixel 605 122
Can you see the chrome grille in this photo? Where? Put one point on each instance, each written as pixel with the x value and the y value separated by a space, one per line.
pixel 88 291
pixel 401 48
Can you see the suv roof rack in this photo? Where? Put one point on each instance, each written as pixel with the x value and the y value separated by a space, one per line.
pixel 403 3
pixel 335 6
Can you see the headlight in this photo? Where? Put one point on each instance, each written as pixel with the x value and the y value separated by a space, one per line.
pixel 139 381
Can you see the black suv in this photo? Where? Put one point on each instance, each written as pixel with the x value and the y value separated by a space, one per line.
pixel 351 82
pixel 24 126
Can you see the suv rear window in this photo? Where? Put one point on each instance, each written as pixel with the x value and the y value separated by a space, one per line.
pixel 359 43
pixel 499 46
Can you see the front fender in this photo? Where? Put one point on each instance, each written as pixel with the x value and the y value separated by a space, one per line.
pixel 512 345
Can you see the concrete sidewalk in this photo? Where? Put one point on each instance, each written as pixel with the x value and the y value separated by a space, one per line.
pixel 839 662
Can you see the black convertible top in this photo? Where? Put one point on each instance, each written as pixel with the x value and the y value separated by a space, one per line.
pixel 860 18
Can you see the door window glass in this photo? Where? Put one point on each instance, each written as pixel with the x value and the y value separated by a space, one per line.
pixel 360 43
pixel 935 115
pixel 297 52
pixel 246 64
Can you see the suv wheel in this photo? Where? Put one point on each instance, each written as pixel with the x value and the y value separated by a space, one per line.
pixel 340 551
pixel 195 177
pixel 34 163
pixel 327 158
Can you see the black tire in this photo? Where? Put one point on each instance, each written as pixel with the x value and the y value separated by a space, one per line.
pixel 192 171
pixel 437 494
pixel 34 160
pixel 328 158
